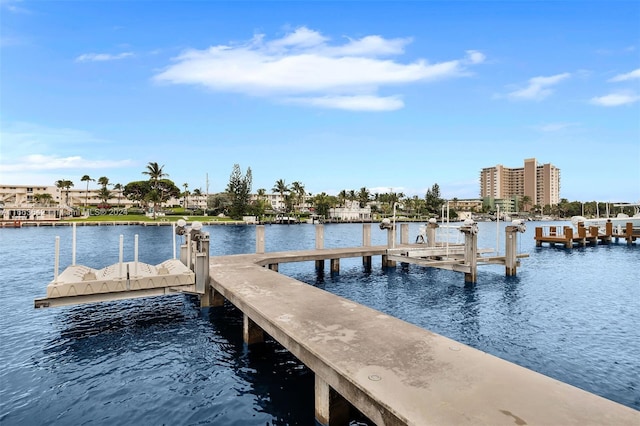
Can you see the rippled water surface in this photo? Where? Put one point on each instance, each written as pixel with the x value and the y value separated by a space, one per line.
pixel 570 314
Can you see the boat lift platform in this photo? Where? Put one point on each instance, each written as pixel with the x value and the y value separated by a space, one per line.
pixel 129 280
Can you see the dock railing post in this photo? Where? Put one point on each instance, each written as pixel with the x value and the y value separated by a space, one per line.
pixel 568 237
pixel 260 239
pixel 319 245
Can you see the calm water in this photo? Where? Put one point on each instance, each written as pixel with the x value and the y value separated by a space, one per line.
pixel 570 314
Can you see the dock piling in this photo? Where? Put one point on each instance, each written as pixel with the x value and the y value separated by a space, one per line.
pixel 330 407
pixel 511 247
pixel 366 242
pixel 259 239
pixel 319 245
pixel 470 231
pixel 251 332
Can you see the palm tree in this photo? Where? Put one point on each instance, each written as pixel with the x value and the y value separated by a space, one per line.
pixel 118 187
pixel 342 197
pixel 86 178
pixel 185 194
pixel 298 189
pixel 103 181
pixel 155 173
pixel 66 185
pixel 281 187
pixel 44 199
pixel 363 196
pixel 525 201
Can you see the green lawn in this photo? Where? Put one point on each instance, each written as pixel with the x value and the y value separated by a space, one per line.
pixel 143 218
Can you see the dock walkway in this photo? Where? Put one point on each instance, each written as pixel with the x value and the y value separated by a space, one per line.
pixel 394 372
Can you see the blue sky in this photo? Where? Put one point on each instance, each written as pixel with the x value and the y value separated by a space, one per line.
pixel 336 95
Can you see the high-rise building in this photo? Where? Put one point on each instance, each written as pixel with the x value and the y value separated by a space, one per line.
pixel 541 183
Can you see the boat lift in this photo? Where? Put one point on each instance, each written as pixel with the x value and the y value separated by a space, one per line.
pixel 79 284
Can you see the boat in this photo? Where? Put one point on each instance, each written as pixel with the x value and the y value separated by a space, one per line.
pixel 619 221
pixel 286 220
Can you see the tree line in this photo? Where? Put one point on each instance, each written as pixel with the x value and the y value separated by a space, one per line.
pixel 237 200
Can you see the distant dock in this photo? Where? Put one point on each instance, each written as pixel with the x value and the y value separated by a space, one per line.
pixel 567 237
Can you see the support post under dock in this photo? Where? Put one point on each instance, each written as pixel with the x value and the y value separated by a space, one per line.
pixel 319 245
pixel 251 332
pixel 330 407
pixel 366 242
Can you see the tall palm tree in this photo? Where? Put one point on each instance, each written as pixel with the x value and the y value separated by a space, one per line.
pixel 155 173
pixel 298 189
pixel 66 185
pixel 118 187
pixel 103 181
pixel 363 196
pixel 342 197
pixel 86 178
pixel 185 194
pixel 281 188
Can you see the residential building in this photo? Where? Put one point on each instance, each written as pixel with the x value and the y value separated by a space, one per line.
pixel 540 182
pixel 350 212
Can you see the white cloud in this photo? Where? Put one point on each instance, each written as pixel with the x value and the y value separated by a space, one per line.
pixel 475 57
pixel 615 99
pixel 539 87
pixel 38 162
pixel 353 103
pixel 635 74
pixel 555 127
pixel 303 67
pixel 101 57
pixel 28 147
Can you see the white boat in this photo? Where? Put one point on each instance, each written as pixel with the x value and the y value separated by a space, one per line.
pixel 284 219
pixel 619 222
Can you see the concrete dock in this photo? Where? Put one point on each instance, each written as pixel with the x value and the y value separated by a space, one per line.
pixel 394 372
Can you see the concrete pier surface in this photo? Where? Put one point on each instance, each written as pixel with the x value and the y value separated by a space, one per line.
pixel 392 371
